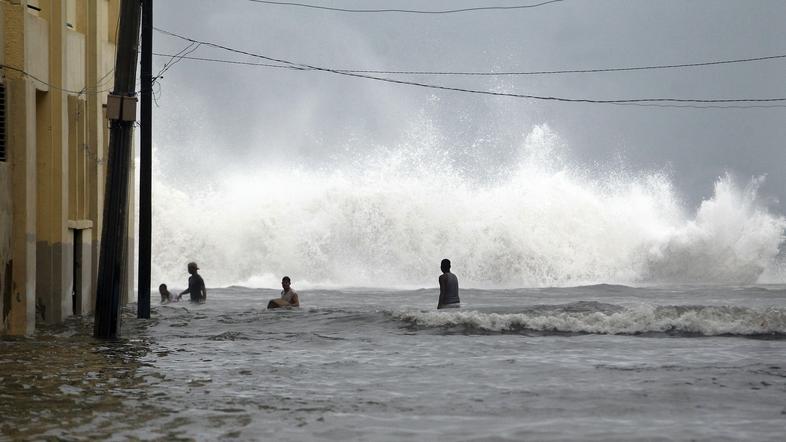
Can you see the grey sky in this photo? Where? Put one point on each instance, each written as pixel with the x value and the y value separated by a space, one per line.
pixel 216 116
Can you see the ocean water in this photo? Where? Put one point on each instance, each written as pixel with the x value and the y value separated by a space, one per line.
pixel 600 362
pixel 597 305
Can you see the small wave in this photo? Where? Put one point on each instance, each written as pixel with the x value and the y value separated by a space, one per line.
pixel 643 319
pixel 229 336
pixel 605 287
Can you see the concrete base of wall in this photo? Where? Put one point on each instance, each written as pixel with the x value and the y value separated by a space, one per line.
pixel 54 267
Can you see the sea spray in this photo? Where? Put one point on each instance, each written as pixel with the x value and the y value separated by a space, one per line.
pixel 387 219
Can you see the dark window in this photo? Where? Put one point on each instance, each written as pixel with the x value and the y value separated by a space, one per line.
pixel 2 123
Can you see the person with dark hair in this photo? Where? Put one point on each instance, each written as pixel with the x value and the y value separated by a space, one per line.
pixel 448 287
pixel 289 297
pixel 166 295
pixel 196 285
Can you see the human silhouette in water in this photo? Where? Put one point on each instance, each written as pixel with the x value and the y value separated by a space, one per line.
pixel 196 285
pixel 166 295
pixel 289 297
pixel 448 287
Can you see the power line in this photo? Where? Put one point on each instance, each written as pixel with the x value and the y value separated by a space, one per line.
pixel 480 92
pixel 408 11
pixel 504 73
pixel 218 60
pixel 84 91
pixel 175 59
pixel 575 71
pixel 684 106
pixel 101 82
pixel 248 63
pixel 707 106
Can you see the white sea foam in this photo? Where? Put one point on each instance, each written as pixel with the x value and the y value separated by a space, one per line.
pixel 708 321
pixel 389 219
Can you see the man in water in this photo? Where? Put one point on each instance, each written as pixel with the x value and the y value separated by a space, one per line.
pixel 196 285
pixel 448 287
pixel 288 297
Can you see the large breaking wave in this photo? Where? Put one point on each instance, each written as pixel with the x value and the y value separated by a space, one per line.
pixel 389 218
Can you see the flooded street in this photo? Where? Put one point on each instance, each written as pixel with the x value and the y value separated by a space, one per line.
pixel 63 384
pixel 549 364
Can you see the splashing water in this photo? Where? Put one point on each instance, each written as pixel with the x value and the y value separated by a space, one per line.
pixel 679 320
pixel 390 217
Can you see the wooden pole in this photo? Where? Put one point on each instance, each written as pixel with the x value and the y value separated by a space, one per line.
pixel 122 116
pixel 145 154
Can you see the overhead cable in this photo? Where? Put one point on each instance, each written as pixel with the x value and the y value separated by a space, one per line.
pixel 176 58
pixel 494 74
pixel 574 71
pixel 708 106
pixel 480 92
pixel 218 60
pixel 83 91
pixel 408 11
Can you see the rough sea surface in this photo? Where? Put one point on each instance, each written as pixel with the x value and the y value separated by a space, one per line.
pixel 587 363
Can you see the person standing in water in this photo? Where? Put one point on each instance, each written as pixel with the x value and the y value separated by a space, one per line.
pixel 288 297
pixel 448 287
pixel 196 285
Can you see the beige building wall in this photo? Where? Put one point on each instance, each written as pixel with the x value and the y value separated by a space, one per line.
pixel 59 59
pixel 5 186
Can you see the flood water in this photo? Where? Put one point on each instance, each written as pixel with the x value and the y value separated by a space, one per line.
pixel 586 363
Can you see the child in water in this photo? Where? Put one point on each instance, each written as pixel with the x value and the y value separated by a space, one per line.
pixel 166 295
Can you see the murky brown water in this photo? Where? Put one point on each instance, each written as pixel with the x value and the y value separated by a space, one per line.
pixel 63 382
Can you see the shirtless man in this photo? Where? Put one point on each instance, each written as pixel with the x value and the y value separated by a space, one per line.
pixel 288 297
pixel 448 287
pixel 196 285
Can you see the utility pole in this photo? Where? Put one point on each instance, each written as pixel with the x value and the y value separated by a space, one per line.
pixel 145 154
pixel 121 110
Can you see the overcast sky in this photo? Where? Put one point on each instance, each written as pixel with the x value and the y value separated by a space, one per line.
pixel 218 117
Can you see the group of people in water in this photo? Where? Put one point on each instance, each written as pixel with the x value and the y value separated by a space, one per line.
pixel 196 287
pixel 448 290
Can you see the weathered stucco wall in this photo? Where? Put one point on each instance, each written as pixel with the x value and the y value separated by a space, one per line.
pixel 36 48
pixel 52 186
pixel 75 60
pixel 18 307
pixel 5 202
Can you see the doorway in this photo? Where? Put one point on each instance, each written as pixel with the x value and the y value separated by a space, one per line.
pixel 76 292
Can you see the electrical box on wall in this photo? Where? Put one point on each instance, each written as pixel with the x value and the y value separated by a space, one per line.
pixel 121 108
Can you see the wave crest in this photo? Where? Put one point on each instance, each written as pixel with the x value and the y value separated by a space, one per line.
pixel 693 320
